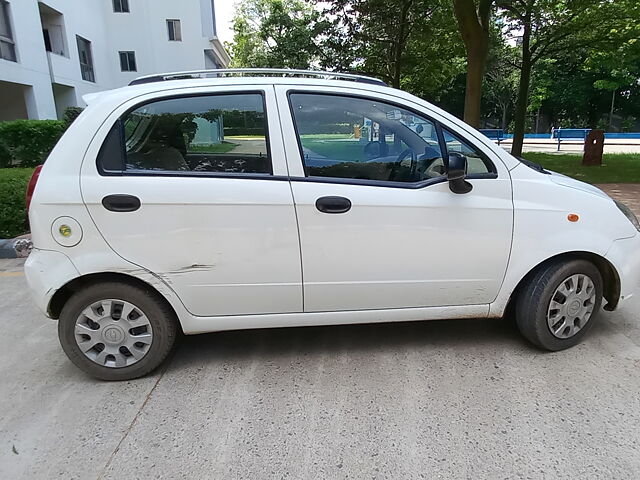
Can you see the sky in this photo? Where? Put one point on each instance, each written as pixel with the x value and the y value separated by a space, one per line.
pixel 225 10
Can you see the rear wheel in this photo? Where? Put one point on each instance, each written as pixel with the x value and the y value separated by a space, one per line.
pixel 116 331
pixel 559 304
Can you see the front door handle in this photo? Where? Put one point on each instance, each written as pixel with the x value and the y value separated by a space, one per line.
pixel 333 204
pixel 121 203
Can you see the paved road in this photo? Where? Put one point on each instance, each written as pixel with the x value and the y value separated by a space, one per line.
pixel 455 399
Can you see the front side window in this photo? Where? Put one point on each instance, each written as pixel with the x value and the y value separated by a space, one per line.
pixel 7 44
pixel 363 139
pixel 477 162
pixel 86 59
pixel 174 30
pixel 121 6
pixel 128 61
pixel 213 133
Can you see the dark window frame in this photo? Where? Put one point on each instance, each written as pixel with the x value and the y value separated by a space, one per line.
pixel 123 172
pixel 8 39
pixel 172 29
pixel 383 183
pixel 120 6
pixel 128 56
pixel 86 69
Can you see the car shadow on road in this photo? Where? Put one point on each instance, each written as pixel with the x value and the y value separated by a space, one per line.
pixel 381 338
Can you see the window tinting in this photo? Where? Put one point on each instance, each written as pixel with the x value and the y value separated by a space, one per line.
pixel 110 157
pixel 477 162
pixel 121 6
pixel 215 133
pixel 128 61
pixel 349 137
pixel 174 30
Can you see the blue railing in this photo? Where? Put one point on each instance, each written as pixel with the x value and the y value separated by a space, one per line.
pixel 493 133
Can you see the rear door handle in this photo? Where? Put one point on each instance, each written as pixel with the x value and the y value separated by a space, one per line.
pixel 121 203
pixel 333 204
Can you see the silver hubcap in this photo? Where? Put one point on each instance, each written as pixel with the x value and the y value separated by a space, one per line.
pixel 571 306
pixel 113 333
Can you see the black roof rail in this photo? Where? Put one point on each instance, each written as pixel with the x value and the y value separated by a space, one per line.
pixel 256 72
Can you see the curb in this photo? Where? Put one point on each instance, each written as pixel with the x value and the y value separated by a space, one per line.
pixel 15 247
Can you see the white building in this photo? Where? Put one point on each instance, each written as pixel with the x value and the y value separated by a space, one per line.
pixel 54 51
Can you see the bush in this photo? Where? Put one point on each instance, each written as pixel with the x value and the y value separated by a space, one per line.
pixel 70 114
pixel 243 131
pixel 28 142
pixel 13 215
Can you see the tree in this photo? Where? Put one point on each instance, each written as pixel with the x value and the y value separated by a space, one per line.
pixel 276 34
pixel 501 79
pixel 474 26
pixel 617 70
pixel 375 36
pixel 547 27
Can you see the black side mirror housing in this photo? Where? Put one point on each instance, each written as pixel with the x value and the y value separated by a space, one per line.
pixel 457 173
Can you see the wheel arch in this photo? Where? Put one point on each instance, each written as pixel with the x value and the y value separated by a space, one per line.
pixel 64 293
pixel 610 276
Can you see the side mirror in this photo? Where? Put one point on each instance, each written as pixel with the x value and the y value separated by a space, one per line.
pixel 457 172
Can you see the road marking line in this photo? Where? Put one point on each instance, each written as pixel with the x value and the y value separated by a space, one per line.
pixel 11 274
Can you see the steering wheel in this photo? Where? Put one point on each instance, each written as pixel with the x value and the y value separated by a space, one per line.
pixel 414 160
pixel 373 150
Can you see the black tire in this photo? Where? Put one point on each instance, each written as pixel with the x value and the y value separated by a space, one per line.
pixel 534 299
pixel 160 316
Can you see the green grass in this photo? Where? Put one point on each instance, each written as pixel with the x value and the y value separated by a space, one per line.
pixel 336 149
pixel 222 147
pixel 13 186
pixel 616 167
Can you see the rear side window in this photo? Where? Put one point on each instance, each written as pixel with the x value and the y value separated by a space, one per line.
pixel 213 133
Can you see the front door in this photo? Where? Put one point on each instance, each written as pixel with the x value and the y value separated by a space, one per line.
pixel 379 226
pixel 193 189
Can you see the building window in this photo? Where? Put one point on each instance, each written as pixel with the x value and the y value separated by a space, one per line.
pixel 7 45
pixel 53 30
pixel 175 32
pixel 86 59
pixel 128 61
pixel 121 6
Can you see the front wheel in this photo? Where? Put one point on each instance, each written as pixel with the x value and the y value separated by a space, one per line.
pixel 559 304
pixel 116 331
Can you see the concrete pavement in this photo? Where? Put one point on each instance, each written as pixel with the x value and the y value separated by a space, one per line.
pixel 450 399
pixel 546 145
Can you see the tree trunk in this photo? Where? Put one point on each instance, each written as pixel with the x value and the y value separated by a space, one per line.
pixel 613 106
pixel 523 92
pixel 476 60
pixel 400 44
pixel 503 125
pixel 473 24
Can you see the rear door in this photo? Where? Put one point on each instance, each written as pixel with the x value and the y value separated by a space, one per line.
pixel 379 226
pixel 192 186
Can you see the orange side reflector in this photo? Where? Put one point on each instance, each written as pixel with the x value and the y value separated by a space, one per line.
pixel 572 217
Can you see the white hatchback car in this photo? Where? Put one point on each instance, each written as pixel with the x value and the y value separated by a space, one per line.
pixel 219 200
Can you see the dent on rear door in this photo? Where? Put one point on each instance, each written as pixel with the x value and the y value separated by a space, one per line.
pixel 226 242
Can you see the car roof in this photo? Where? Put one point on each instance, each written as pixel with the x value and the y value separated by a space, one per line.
pixel 153 87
